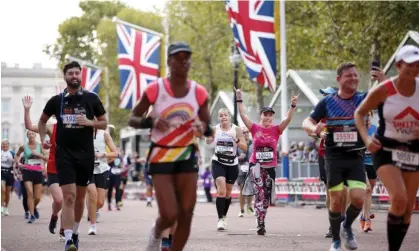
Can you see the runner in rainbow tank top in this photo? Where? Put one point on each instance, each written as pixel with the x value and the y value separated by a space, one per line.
pixel 178 107
pixel 263 160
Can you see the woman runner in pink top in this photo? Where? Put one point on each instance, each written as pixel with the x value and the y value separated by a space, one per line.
pixel 265 142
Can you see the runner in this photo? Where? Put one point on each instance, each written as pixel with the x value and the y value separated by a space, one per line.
pixel 53 184
pixel 74 109
pixel 365 217
pixel 177 104
pixel 263 160
pixel 226 138
pixel 7 179
pixel 114 181
pixel 96 189
pixel 32 172
pixel 395 146
pixel 126 161
pixel 344 157
pixel 322 170
pixel 148 182
pixel 243 171
pixel 18 167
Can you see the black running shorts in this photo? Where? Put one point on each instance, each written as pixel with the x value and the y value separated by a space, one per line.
pixel 7 177
pixel 53 179
pixel 383 157
pixel 35 177
pixel 229 172
pixel 72 169
pixel 101 180
pixel 322 170
pixel 371 172
pixel 341 167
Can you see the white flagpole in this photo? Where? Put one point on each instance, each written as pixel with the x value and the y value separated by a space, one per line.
pixel 284 99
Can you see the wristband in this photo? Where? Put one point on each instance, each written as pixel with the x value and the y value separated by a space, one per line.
pixel 239 101
pixel 293 106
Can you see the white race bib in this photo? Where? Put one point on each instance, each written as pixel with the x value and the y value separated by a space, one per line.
pixel 404 157
pixel 244 168
pixel 264 155
pixel 220 149
pixel 34 162
pixel 342 137
pixel 116 171
pixel 69 119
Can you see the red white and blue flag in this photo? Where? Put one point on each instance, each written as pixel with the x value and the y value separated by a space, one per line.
pixel 90 78
pixel 139 61
pixel 253 26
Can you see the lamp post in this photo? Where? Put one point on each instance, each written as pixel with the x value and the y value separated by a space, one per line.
pixel 235 61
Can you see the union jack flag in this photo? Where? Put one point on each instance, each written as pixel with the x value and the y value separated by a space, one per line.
pixel 253 26
pixel 139 61
pixel 90 78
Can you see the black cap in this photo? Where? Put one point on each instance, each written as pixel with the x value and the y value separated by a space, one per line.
pixel 267 109
pixel 178 47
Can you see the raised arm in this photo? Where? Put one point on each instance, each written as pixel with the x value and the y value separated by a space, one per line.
pixel 247 122
pixel 49 110
pixel 285 122
pixel 27 103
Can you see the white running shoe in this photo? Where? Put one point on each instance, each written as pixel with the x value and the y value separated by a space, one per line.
pixel 220 225
pixel 153 242
pixel 5 211
pixel 92 230
pixel 225 222
pixel 241 215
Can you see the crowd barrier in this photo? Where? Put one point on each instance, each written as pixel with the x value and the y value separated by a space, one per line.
pixel 307 191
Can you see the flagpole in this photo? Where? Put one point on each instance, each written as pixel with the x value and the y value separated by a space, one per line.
pixel 106 71
pixel 284 99
pixel 166 40
pixel 119 21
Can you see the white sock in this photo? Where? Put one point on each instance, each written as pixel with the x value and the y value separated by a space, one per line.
pixel 68 233
pixel 149 199
pixel 76 227
pixel 93 225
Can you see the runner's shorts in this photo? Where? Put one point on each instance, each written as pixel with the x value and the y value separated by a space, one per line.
pixel 35 177
pixel 101 180
pixel 72 169
pixel 53 179
pixel 371 172
pixel 183 166
pixel 229 172
pixel 344 166
pixel 8 177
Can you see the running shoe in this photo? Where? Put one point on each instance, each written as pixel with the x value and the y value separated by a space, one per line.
pixel 31 219
pixel 221 225
pixel 75 238
pixel 70 246
pixel 367 226
pixel 5 211
pixel 36 213
pixel 92 230
pixel 241 214
pixel 26 215
pixel 53 224
pixel 261 229
pixel 153 242
pixel 329 233
pixel 335 246
pixel 250 211
pixel 61 236
pixel 348 235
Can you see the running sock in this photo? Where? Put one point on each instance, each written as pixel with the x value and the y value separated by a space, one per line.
pixel 220 203
pixel 76 227
pixel 403 232
pixel 351 214
pixel 335 219
pixel 227 206
pixel 68 233
pixel 394 231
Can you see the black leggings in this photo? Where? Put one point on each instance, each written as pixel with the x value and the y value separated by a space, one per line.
pixel 114 182
pixel 24 197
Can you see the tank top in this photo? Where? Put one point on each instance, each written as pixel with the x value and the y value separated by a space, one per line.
pixel 177 143
pixel 265 142
pixel 225 151
pixel 7 160
pixel 101 165
pixel 31 162
pixel 51 167
pixel 398 115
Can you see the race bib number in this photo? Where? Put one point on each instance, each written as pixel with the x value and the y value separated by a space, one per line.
pixel 69 119
pixel 264 155
pixel 116 171
pixel 221 149
pixel 343 137
pixel 97 163
pixel 406 158
pixel 244 168
pixel 34 162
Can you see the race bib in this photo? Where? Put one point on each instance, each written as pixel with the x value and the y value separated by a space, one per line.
pixel 404 157
pixel 116 171
pixel 221 149
pixel 244 168
pixel 69 119
pixel 264 154
pixel 343 137
pixel 34 162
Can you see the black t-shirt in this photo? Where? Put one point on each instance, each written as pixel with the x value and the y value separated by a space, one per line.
pixel 74 139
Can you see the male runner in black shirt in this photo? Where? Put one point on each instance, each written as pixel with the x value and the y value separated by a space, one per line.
pixel 75 109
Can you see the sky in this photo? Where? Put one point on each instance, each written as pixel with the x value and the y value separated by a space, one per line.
pixel 35 25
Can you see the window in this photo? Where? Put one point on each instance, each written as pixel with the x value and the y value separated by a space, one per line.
pixel 5 105
pixel 5 131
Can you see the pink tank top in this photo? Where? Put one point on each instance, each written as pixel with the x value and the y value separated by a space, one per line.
pixel 265 142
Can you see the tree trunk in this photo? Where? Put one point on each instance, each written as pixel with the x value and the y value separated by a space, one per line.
pixel 213 89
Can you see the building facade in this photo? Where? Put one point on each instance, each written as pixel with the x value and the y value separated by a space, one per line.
pixel 40 83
